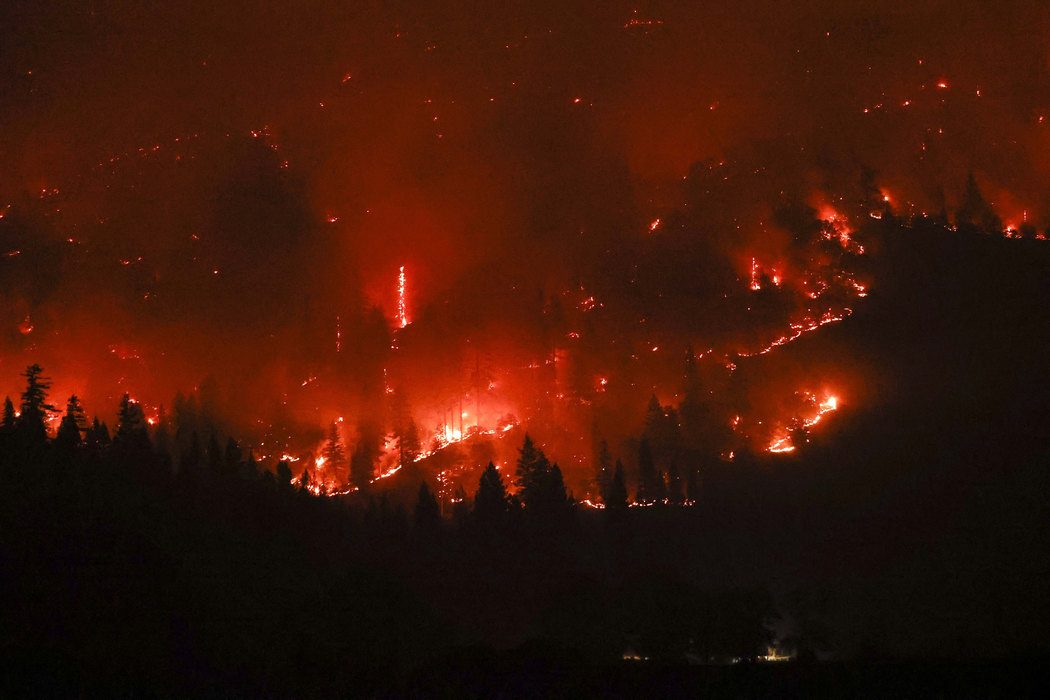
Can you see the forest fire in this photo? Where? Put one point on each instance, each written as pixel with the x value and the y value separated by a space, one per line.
pixel 361 320
pixel 786 443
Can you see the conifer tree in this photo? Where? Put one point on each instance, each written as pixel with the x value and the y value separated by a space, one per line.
pixel 215 457
pixel 10 420
pixel 32 420
pixel 232 456
pixel 532 465
pixel 73 423
pixel 334 454
pixel 692 487
pixel 284 473
pixel 618 489
pixel 97 436
pixel 603 471
pixel 131 438
pixel 408 444
pixel 491 505
pixel 427 514
pixel 648 488
pixel 674 485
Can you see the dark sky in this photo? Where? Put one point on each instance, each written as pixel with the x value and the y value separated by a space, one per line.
pixel 306 150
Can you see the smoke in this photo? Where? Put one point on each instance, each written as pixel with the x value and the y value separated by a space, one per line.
pixel 221 188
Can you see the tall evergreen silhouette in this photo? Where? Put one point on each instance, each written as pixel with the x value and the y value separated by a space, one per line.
pixel 35 410
pixel 491 505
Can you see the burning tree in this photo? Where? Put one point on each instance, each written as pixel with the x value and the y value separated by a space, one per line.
pixel 334 455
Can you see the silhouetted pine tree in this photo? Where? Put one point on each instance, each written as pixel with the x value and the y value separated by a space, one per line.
pixel 650 481
pixel 191 461
pixel 216 458
pixel 131 440
pixel 162 444
pixel 617 490
pixel 97 437
pixel 10 420
pixel 532 464
pixel 674 485
pixel 32 420
pixel 426 518
pixel 491 506
pixel 8 426
pixel 408 444
pixel 232 458
pixel 975 211
pixel 460 506
pixel 603 471
pixel 366 453
pixel 73 423
pixel 692 486
pixel 284 474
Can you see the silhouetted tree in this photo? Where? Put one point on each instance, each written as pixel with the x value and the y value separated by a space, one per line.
pixel 216 457
pixel 692 486
pixel 131 439
pixel 603 471
pixel 540 484
pixel 162 440
pixel 408 444
pixel 618 490
pixel 73 423
pixel 406 432
pixel 460 506
pixel 366 453
pixel 7 432
pixel 426 518
pixel 650 481
pixel 662 431
pixel 232 457
pixel 674 485
pixel 97 436
pixel 284 474
pixel 9 418
pixel 191 461
pixel 32 420
pixel 975 211
pixel 531 462
pixel 491 506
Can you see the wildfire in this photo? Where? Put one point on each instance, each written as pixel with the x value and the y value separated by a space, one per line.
pixel 784 443
pixel 402 312
pixel 797 329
